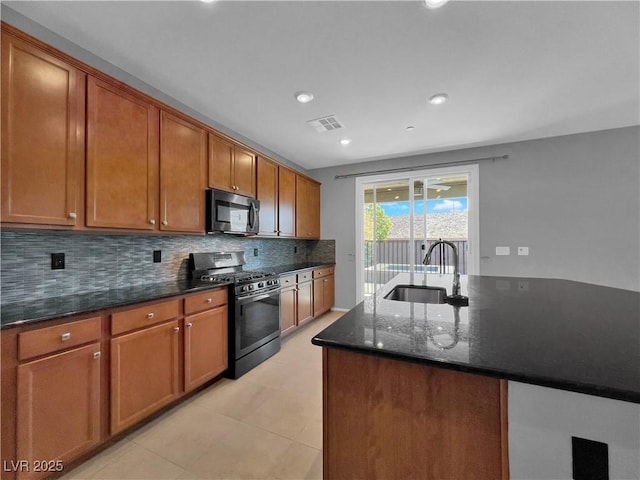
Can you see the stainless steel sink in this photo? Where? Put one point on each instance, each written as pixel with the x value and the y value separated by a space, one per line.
pixel 417 294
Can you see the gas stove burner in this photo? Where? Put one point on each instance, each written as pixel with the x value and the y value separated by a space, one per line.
pixel 236 277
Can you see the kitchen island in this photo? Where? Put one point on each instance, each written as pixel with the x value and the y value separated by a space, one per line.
pixel 421 389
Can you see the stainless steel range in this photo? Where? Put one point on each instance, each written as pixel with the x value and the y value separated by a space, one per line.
pixel 254 307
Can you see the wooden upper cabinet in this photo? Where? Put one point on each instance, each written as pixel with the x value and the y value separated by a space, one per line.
pixel 183 157
pixel 286 202
pixel 267 193
pixel 231 167
pixel 43 104
pixel 122 159
pixel 307 208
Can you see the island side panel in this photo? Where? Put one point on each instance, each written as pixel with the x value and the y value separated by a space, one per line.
pixel 386 418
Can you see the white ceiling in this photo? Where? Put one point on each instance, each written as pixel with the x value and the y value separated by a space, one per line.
pixel 513 70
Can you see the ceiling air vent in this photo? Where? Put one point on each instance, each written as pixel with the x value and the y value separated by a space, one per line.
pixel 325 124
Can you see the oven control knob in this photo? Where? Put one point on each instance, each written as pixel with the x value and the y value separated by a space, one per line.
pixel 261 284
pixel 269 282
pixel 244 289
pixel 250 287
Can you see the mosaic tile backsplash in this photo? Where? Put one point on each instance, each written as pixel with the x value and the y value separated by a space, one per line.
pixel 102 262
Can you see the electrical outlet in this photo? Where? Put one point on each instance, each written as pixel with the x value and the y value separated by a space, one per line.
pixel 295 249
pixel 157 256
pixel 503 251
pixel 523 250
pixel 57 261
pixel 255 252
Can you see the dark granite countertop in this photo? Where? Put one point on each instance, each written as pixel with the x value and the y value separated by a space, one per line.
pixel 556 333
pixel 38 310
pixel 296 267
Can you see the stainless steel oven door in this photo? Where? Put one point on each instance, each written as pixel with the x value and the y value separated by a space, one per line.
pixel 257 321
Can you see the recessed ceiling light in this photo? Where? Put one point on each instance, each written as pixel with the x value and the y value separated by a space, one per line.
pixel 304 97
pixel 410 128
pixel 438 99
pixel 345 141
pixel 207 1
pixel 397 197
pixel 435 3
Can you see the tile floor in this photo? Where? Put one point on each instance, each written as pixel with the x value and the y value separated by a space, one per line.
pixel 265 425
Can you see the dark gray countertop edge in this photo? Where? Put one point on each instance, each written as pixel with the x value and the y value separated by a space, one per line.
pixel 599 391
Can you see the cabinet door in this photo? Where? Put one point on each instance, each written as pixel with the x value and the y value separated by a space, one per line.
pixel 205 346
pixel 122 159
pixel 318 296
pixel 244 172
pixel 183 156
pixel 220 163
pixel 145 373
pixel 43 103
pixel 329 294
pixel 307 208
pixel 267 193
pixel 288 309
pixel 286 202
pixel 58 412
pixel 305 302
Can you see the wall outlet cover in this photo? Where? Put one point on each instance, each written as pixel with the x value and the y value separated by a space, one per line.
pixel 503 251
pixel 523 250
pixel 57 261
pixel 157 256
pixel 255 252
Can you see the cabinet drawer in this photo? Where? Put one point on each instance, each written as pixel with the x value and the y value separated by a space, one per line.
pixel 322 272
pixel 144 316
pixel 204 301
pixel 304 277
pixel 51 339
pixel 288 281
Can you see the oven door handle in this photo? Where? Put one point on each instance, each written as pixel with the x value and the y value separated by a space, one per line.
pixel 256 298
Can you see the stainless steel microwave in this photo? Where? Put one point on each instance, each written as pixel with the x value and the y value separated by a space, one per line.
pixel 231 213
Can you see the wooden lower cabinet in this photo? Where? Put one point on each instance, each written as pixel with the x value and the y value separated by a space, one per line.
pixel 145 373
pixel 205 346
pixel 58 409
pixel 323 294
pixel 288 309
pixel 386 418
pixel 305 302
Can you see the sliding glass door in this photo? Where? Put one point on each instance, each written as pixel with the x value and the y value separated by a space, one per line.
pixel 402 216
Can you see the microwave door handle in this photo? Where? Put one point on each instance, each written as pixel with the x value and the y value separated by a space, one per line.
pixel 252 215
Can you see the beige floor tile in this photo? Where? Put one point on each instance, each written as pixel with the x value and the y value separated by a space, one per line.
pixel 138 463
pixel 187 435
pixel 233 398
pixel 311 434
pixel 247 452
pixel 299 462
pixel 93 465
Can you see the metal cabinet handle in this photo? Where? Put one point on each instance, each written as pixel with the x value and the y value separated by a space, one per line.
pixel 209 300
pixel 189 325
pixel 150 315
pixel 97 355
pixel 73 215
pixel 65 336
pixel 164 222
pixel 176 329
pixel 152 221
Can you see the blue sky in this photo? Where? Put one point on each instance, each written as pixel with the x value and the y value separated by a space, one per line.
pixel 441 205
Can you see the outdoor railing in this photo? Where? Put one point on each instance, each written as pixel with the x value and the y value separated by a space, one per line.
pixel 392 257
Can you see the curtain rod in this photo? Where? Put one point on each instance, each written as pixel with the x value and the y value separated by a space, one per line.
pixel 419 167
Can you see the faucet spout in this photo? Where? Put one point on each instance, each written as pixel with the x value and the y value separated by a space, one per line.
pixel 456 270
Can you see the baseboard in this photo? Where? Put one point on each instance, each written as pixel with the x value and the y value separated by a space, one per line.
pixel 336 309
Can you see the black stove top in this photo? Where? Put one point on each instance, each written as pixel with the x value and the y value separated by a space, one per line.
pixel 238 278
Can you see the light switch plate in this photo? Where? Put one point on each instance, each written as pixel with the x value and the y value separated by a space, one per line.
pixel 503 251
pixel 523 250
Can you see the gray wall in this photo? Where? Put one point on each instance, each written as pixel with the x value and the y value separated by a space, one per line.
pixel 573 200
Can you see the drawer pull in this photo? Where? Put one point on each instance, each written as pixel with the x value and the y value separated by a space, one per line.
pixel 209 300
pixel 65 336
pixel 97 355
pixel 150 315
pixel 73 215
pixel 176 329
pixel 152 221
pixel 189 325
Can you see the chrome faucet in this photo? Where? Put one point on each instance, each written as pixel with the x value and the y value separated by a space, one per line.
pixel 455 292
